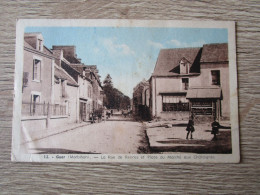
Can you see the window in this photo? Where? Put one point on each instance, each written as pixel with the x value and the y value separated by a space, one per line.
pixel 35 102
pixel 185 83
pixel 63 86
pixel 36 69
pixel 215 75
pixel 25 79
pixel 39 45
pixel 184 66
pixel 175 103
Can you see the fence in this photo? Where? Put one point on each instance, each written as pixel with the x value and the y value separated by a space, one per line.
pixel 42 109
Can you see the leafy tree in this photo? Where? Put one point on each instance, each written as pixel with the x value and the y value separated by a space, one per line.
pixel 113 97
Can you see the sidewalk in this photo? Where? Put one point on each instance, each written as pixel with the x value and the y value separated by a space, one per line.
pixel 119 117
pixel 40 134
pixel 170 136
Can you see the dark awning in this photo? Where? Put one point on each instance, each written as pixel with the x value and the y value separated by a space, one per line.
pixel 210 92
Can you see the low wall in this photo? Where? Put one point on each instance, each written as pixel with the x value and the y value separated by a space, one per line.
pixel 58 121
pixel 34 127
pixel 34 122
pixel 178 115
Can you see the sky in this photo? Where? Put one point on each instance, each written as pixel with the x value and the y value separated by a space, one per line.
pixel 128 54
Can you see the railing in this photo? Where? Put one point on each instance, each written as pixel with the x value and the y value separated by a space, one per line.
pixel 42 109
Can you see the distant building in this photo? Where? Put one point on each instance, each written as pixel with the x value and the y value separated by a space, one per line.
pixel 141 100
pixel 65 94
pixel 190 81
pixel 90 89
pixel 98 93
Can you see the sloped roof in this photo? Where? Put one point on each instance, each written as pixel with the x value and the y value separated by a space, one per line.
pixel 204 92
pixel 169 59
pixel 78 67
pixel 45 49
pixel 214 53
pixel 72 59
pixel 61 74
pixel 27 45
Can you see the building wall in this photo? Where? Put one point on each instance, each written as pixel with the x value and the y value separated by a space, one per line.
pixel 97 97
pixel 146 96
pixel 168 85
pixel 73 101
pixel 224 83
pixel 44 86
pixel 86 92
pixel 174 84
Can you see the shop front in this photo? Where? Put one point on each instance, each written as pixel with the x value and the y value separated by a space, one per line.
pixel 205 103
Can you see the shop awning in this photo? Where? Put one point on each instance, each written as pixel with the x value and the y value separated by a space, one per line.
pixel 178 93
pixel 201 93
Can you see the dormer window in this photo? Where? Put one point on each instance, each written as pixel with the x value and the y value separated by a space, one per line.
pixel 184 66
pixel 39 45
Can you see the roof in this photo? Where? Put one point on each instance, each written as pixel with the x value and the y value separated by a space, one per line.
pixel 45 49
pixel 61 74
pixel 72 59
pixel 214 53
pixel 169 59
pixel 28 45
pixel 213 92
pixel 78 67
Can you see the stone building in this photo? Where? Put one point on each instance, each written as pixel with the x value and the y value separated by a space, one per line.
pixel 191 81
pixel 47 91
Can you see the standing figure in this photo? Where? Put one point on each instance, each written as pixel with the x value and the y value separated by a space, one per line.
pixel 190 129
pixel 99 115
pixel 215 129
pixel 108 114
pixel 92 117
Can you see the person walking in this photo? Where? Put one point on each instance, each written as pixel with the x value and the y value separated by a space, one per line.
pixel 190 129
pixel 215 129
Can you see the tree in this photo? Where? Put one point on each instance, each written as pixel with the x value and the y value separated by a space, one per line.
pixel 108 81
pixel 113 97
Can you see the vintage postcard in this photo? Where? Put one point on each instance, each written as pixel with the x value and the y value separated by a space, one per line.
pixel 125 91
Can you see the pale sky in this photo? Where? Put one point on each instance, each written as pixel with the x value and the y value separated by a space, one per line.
pixel 128 54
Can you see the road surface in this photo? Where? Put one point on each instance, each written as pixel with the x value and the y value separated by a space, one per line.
pixel 109 137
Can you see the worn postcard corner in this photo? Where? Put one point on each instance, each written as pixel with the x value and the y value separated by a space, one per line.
pixel 125 91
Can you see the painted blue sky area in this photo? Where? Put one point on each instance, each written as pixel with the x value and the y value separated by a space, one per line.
pixel 127 54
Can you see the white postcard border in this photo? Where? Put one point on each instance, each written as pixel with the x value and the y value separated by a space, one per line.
pixel 151 158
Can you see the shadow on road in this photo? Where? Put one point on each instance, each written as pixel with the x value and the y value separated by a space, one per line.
pixel 220 146
pixel 58 151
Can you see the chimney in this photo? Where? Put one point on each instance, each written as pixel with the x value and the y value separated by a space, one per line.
pixel 58 53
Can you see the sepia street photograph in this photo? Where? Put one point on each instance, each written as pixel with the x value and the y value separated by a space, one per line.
pixel 125 90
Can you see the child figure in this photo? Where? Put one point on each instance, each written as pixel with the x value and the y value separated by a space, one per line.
pixel 190 129
pixel 215 128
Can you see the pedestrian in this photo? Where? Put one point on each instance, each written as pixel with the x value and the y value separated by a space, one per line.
pixel 92 117
pixel 215 129
pixel 190 129
pixel 108 114
pixel 124 113
pixel 99 116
